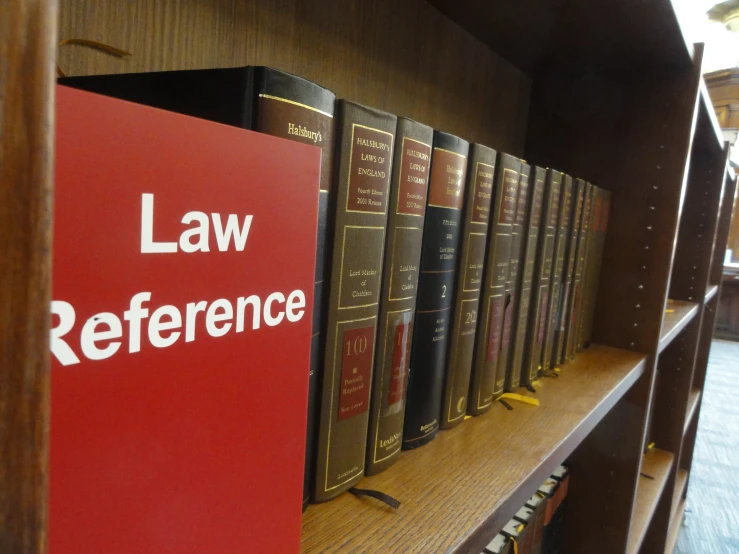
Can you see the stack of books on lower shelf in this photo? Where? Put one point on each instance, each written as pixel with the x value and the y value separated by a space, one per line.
pixel 447 273
pixel 538 526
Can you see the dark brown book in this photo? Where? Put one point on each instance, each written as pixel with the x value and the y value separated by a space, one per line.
pixel 539 254
pixel 575 306
pixel 365 141
pixel 480 178
pixel 513 281
pixel 442 233
pixel 578 193
pixel 408 189
pixel 484 388
pixel 596 243
pixel 560 247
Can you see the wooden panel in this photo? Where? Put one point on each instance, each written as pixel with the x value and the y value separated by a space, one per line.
pixel 674 530
pixel 630 133
pixel 459 490
pixel 677 315
pixel 402 57
pixel 27 43
pixel 728 225
pixel 727 323
pixel 537 33
pixel 681 482
pixel 655 469
pixel 711 291
pixel 693 400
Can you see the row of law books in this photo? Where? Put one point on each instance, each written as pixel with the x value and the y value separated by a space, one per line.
pixel 537 528
pixel 446 273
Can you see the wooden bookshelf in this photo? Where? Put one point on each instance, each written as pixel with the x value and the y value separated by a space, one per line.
pixel 655 469
pixel 622 105
pixel 693 400
pixel 681 482
pixel 710 293
pixel 475 477
pixel 674 529
pixel 677 315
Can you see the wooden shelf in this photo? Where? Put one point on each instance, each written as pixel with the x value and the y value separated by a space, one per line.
pixel 711 291
pixel 656 464
pixel 473 478
pixel 677 315
pixel 674 529
pixel 681 481
pixel 693 399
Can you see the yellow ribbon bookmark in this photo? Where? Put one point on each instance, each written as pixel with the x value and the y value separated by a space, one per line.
pixel 520 398
pixel 536 384
pixel 557 370
pixel 515 545
pixel 113 51
pixel 669 311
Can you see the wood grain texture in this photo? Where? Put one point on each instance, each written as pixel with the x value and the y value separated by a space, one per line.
pixel 711 291
pixel 458 491
pixel 657 465
pixel 402 57
pixel 681 483
pixel 538 33
pixel 674 530
pixel 27 44
pixel 677 315
pixel 693 399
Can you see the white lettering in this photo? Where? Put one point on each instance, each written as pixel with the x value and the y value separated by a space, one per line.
pixel 90 335
pixel 60 348
pixel 241 308
pixel 268 318
pixel 232 228
pixel 156 326
pixel 148 246
pixel 211 317
pixel 295 301
pixel 191 313
pixel 134 315
pixel 201 231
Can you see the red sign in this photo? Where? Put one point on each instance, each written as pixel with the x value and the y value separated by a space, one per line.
pixel 181 324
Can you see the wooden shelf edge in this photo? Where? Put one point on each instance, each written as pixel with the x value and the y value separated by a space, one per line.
pixel 507 454
pixel 674 530
pixel 679 313
pixel 710 293
pixel 681 481
pixel 656 464
pixel 693 399
pixel 711 114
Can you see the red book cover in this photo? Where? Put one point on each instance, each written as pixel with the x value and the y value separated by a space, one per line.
pixel 183 272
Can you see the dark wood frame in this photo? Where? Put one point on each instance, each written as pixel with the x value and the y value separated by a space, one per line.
pixel 622 105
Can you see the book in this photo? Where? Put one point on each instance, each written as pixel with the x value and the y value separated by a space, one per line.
pixel 480 179
pixel 525 516
pixel 522 339
pixel 439 252
pixel 484 388
pixel 513 298
pixel 537 505
pixel 575 307
pixel 269 101
pixel 407 207
pixel 578 192
pixel 365 141
pixel 544 257
pixel 598 230
pixel 560 247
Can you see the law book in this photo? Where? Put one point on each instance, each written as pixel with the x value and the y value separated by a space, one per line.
pixel 544 239
pixel 576 297
pixel 513 281
pixel 560 247
pixel 365 142
pixel 578 192
pixel 439 253
pixel 596 243
pixel 268 101
pixel 407 208
pixel 484 388
pixel 479 193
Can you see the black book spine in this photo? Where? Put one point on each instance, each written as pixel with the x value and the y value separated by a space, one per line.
pixel 439 251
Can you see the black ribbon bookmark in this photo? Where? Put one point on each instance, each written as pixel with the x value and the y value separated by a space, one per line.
pixel 506 404
pixel 530 388
pixel 381 496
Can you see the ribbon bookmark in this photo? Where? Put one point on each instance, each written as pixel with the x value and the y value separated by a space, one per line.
pixel 520 398
pixel 381 496
pixel 112 50
pixel 515 545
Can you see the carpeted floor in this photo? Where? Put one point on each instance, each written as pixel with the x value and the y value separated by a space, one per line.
pixel 711 524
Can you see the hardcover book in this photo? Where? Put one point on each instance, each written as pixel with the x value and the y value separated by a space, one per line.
pixel 365 142
pixel 513 281
pixel 536 326
pixel 410 178
pixel 578 193
pixel 440 251
pixel 560 246
pixel 575 306
pixel 480 175
pixel 265 100
pixel 484 388
pixel 598 230
pixel 184 256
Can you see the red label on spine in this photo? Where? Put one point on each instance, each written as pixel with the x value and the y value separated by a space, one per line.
pixel 509 196
pixel 448 172
pixel 414 177
pixel 483 192
pixel 356 369
pixel 401 358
